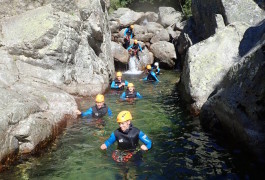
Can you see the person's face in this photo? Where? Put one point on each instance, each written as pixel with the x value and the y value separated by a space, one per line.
pixel 131 89
pixel 99 104
pixel 119 78
pixel 125 125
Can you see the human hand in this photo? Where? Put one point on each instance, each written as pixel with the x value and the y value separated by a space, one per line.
pixel 77 112
pixel 103 147
pixel 143 147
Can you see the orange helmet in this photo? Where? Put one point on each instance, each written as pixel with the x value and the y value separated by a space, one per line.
pixel 99 98
pixel 130 85
pixel 119 74
pixel 124 116
pixel 131 26
pixel 148 67
pixel 135 41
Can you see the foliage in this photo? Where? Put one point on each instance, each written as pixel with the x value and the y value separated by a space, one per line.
pixel 187 8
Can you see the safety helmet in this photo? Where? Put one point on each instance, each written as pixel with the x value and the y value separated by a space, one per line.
pixel 156 64
pixel 119 74
pixel 124 116
pixel 130 85
pixel 131 26
pixel 148 67
pixel 135 41
pixel 99 98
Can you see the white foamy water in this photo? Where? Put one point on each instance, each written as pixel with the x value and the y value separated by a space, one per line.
pixel 133 66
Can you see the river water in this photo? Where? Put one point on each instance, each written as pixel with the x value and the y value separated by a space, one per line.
pixel 181 150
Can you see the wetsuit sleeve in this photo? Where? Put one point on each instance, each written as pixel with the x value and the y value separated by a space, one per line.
pixel 123 96
pixel 145 140
pixel 111 140
pixel 138 95
pixel 154 75
pixel 126 83
pixel 140 48
pixel 145 79
pixel 130 47
pixel 113 86
pixel 158 70
pixel 109 112
pixel 87 112
pixel 126 30
pixel 131 35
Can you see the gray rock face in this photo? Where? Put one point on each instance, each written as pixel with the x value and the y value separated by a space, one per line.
pixel 151 16
pixel 237 107
pixel 169 16
pixel 161 36
pixel 164 52
pixel 48 53
pixel 208 61
pixel 146 57
pixel 119 53
pixel 204 13
pixel 153 27
pixel 126 16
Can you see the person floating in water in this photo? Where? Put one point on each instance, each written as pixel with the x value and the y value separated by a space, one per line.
pixel 118 83
pixel 151 75
pixel 130 93
pixel 97 111
pixel 128 34
pixel 127 136
pixel 156 68
pixel 135 49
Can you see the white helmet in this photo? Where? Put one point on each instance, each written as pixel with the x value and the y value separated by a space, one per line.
pixel 156 64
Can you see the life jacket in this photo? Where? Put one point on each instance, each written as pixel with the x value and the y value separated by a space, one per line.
pixel 99 113
pixel 150 77
pixel 128 140
pixel 135 46
pixel 129 94
pixel 129 32
pixel 117 83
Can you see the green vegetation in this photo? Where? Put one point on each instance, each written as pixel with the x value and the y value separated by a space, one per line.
pixel 187 8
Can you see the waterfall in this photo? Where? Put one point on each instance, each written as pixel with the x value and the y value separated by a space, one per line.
pixel 133 66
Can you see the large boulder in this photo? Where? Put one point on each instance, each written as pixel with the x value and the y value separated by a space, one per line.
pixel 47 54
pixel 125 16
pixel 161 36
pixel 164 52
pixel 151 16
pixel 204 13
pixel 119 53
pixel 169 16
pixel 146 57
pixel 153 27
pixel 236 109
pixel 208 61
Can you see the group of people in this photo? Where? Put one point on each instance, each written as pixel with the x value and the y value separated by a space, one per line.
pixel 126 135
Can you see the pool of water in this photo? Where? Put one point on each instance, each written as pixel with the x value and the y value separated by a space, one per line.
pixel 181 150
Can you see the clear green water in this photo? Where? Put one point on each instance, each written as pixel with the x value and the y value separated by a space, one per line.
pixel 181 150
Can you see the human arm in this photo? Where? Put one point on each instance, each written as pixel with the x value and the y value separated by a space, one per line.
pixel 126 83
pixel 140 48
pixel 145 79
pixel 108 142
pixel 147 142
pixel 154 76
pixel 130 47
pixel 158 71
pixel 126 30
pixel 123 96
pixel 114 86
pixel 138 95
pixel 87 112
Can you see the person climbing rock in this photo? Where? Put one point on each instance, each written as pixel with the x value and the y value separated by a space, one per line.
pixel 97 111
pixel 118 83
pixel 156 68
pixel 134 49
pixel 128 34
pixel 151 75
pixel 130 93
pixel 127 136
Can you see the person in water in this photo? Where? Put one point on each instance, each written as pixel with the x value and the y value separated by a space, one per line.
pixel 128 34
pixel 97 111
pixel 156 68
pixel 151 75
pixel 127 136
pixel 130 93
pixel 135 48
pixel 118 82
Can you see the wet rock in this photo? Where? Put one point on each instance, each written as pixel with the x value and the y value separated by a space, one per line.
pixel 146 57
pixel 119 53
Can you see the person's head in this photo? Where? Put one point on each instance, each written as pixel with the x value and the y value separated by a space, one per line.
pixel 130 87
pixel 119 75
pixel 124 119
pixel 99 101
pixel 156 64
pixel 131 26
pixel 148 67
pixel 135 41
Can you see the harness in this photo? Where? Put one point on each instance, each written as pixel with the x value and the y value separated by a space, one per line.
pixel 98 113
